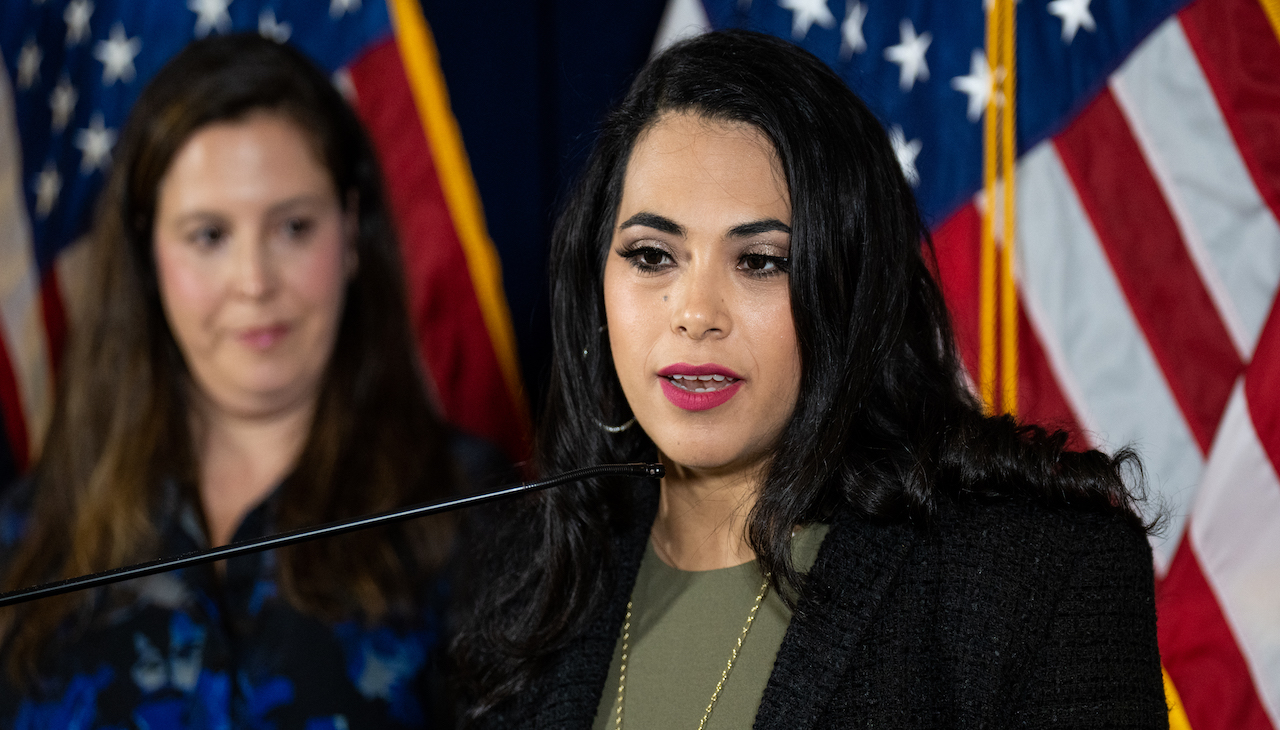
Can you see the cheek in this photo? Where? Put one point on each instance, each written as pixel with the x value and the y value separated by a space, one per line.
pixel 189 289
pixel 318 274
pixel 776 347
pixel 630 316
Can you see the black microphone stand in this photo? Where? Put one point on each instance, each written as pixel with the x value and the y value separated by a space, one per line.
pixel 198 557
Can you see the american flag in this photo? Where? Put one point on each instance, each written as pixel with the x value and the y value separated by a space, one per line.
pixel 74 69
pixel 1147 256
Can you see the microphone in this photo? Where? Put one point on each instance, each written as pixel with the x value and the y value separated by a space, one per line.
pixel 270 542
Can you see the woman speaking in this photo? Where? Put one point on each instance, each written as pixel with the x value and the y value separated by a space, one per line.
pixel 842 539
pixel 247 367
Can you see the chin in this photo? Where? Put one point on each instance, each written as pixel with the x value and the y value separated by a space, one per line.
pixel 275 380
pixel 259 397
pixel 708 456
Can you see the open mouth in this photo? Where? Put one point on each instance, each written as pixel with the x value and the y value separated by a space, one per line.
pixel 702 383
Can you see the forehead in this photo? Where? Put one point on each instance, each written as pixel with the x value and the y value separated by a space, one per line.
pixel 687 163
pixel 260 155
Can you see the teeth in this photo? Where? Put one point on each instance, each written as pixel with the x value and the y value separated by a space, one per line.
pixel 688 381
pixel 718 378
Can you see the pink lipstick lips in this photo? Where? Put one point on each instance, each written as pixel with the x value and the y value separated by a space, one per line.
pixel 262 338
pixel 699 387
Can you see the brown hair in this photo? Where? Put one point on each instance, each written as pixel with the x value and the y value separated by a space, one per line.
pixel 120 426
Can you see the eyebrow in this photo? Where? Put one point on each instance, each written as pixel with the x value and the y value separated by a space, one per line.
pixel 755 228
pixel 666 225
pixel 299 200
pixel 277 209
pixel 654 221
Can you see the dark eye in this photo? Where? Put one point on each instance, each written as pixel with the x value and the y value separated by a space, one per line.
pixel 297 227
pixel 648 259
pixel 207 236
pixel 653 257
pixel 758 264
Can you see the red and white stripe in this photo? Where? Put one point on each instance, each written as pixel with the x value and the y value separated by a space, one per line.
pixel 1094 342
pixel 1149 265
pixel 1227 227
pixel 1149 252
pixel 26 388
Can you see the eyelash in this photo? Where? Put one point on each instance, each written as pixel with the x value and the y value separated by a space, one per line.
pixel 211 236
pixel 781 265
pixel 635 256
pixel 297 227
pixel 207 237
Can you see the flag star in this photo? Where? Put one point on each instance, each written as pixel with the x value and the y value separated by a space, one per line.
pixel 909 55
pixel 117 54
pixel 906 152
pixel 48 185
pixel 211 15
pixel 339 8
pixel 269 28
pixel 29 59
pixel 77 17
pixel 95 142
pixel 804 13
pixel 62 102
pixel 1075 15
pixel 979 84
pixel 342 82
pixel 851 29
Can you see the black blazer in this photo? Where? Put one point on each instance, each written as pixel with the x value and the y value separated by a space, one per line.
pixel 1007 614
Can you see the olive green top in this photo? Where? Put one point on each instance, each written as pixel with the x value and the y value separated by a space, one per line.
pixel 684 625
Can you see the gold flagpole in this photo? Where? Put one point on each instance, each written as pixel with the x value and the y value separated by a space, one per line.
pixel 1008 237
pixel 987 261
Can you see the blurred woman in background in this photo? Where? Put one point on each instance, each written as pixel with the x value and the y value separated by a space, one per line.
pixel 246 367
pixel 842 537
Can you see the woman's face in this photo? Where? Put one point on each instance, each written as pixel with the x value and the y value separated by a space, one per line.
pixel 696 293
pixel 253 251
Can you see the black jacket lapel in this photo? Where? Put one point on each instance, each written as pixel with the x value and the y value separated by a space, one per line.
pixel 856 565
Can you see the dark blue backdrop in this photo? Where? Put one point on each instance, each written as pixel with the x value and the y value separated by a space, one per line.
pixel 529 81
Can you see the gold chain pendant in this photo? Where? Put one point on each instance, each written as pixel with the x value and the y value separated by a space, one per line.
pixel 724 676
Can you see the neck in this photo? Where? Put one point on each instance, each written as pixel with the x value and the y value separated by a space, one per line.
pixel 702 517
pixel 242 458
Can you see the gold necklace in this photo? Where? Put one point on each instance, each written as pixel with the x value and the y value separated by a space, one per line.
pixel 626 638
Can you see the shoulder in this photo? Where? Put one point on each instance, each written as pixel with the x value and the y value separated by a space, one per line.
pixel 1014 569
pixel 1015 534
pixel 1023 534
pixel 995 609
pixel 1068 597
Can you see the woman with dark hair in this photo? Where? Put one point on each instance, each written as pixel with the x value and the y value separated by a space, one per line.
pixel 843 538
pixel 247 367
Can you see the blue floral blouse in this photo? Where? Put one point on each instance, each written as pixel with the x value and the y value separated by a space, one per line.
pixel 188 649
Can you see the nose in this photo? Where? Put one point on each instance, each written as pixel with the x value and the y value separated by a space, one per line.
pixel 254 274
pixel 701 305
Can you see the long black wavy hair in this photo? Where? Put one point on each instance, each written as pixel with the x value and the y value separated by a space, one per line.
pixel 884 424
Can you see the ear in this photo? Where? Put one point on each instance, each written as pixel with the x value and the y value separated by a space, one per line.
pixel 351 233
